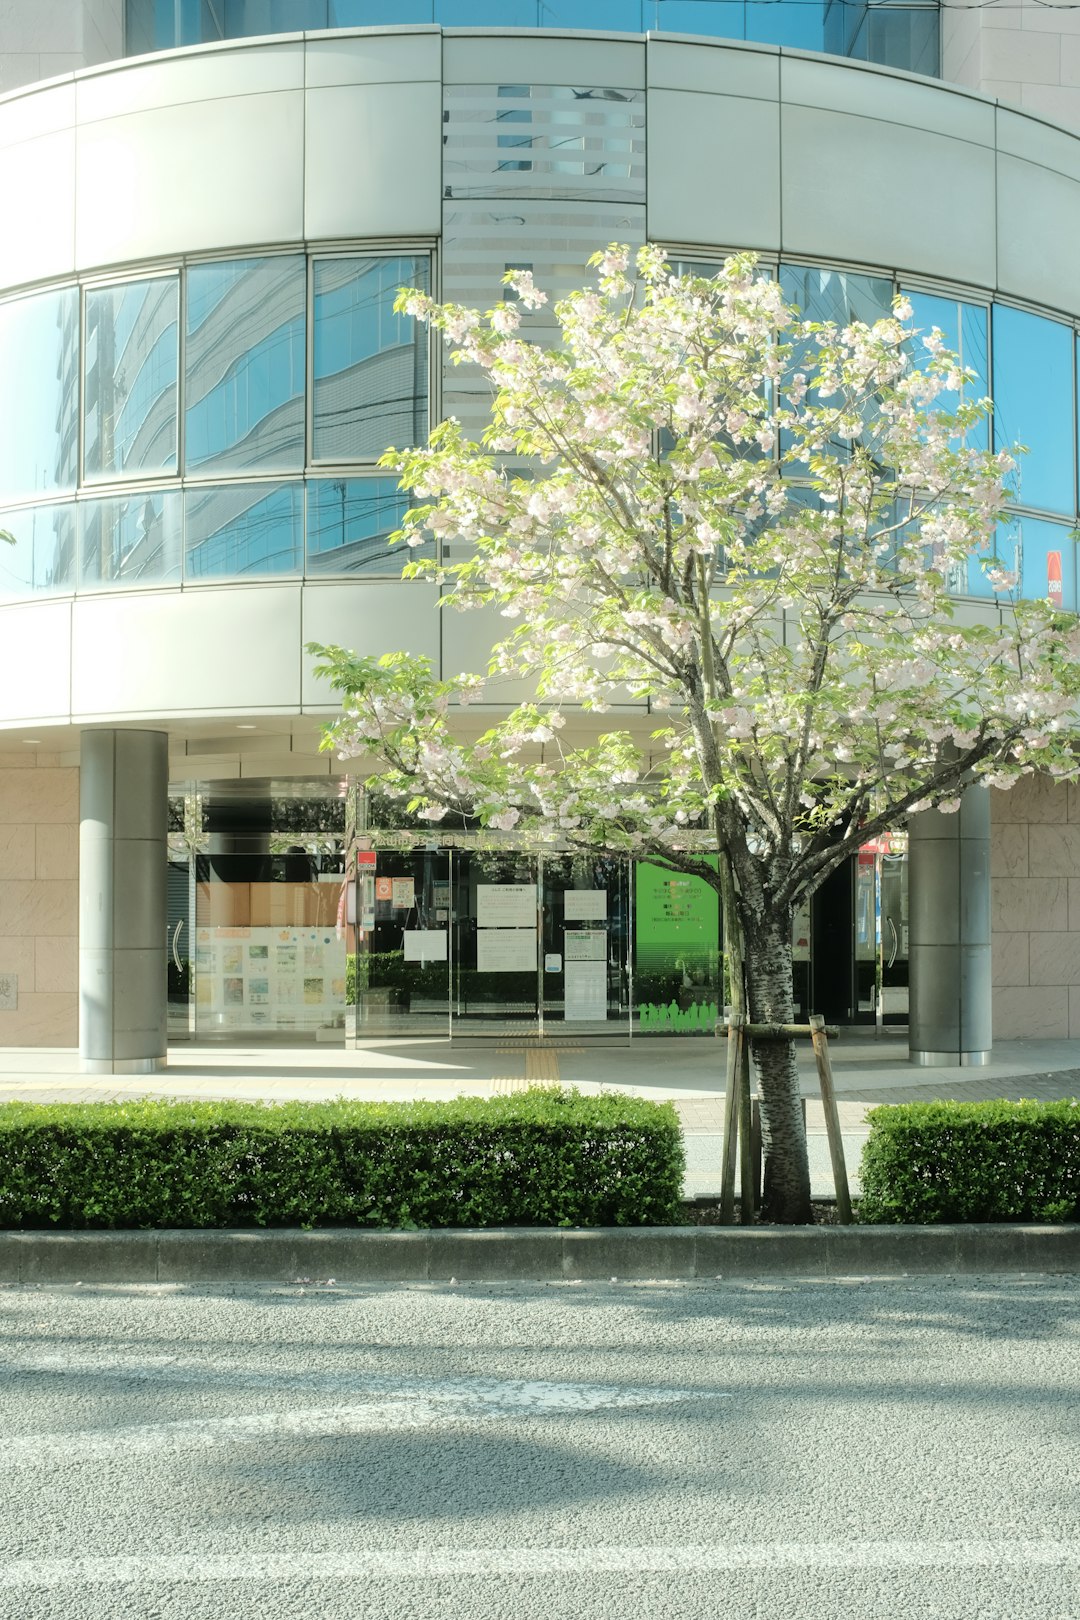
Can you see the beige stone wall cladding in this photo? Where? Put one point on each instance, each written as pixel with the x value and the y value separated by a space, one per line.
pixel 1035 879
pixel 1023 51
pixel 39 899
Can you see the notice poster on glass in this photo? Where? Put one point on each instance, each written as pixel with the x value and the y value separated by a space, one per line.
pixel 505 950
pixel 585 992
pixel 800 933
pixel 425 944
pixel 267 978
pixel 585 905
pixel 506 905
pixel 402 894
pixel 585 944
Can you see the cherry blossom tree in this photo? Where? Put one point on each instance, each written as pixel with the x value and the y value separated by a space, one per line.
pixel 757 525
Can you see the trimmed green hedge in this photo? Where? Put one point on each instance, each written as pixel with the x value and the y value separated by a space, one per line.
pixel 985 1161
pixel 539 1158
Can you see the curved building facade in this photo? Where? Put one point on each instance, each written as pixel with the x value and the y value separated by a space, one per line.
pixel 208 367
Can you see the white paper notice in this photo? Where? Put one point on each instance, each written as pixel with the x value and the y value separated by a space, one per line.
pixel 505 950
pixel 425 944
pixel 584 905
pixel 585 993
pixel 506 905
pixel 585 945
pixel 402 893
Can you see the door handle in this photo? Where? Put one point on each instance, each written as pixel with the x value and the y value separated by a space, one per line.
pixel 895 942
pixel 175 938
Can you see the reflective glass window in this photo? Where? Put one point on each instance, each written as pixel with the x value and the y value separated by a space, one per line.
pixel 622 16
pixel 1047 556
pixel 1006 555
pixel 160 25
pixel 244 364
pixel 798 23
pixel 499 14
pixel 370 365
pixel 39 402
pixel 42 560
pixel 964 329
pixel 235 530
pixel 724 18
pixel 130 365
pixel 832 295
pixel 1034 403
pixel 378 13
pixel 130 540
pixel 349 522
pixel 836 295
pixel 907 37
pixel 244 18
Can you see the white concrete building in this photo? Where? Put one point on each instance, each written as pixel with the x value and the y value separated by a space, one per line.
pixel 202 366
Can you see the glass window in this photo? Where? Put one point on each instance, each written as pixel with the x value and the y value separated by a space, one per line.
pixel 370 365
pixel 245 18
pixel 1047 555
pixel 160 25
pixel 964 329
pixel 836 295
pixel 1033 405
pixel 130 540
pixel 623 16
pixel 379 13
pixel 130 366
pixel 725 19
pixel 797 23
pixel 349 522
pixel 831 295
pixel 501 14
pixel 233 530
pixel 906 37
pixel 1006 555
pixel 39 418
pixel 42 559
pixel 244 363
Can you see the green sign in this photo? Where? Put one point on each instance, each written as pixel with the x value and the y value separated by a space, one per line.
pixel 677 923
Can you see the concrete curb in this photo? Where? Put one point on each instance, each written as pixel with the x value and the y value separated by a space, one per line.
pixel 531 1254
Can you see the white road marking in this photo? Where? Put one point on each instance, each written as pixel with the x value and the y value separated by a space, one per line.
pixel 418 1405
pixel 404 1563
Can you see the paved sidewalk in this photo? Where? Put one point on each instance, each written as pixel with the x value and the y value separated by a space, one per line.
pixel 688 1072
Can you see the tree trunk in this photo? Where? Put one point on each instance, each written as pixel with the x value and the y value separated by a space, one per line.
pixel 786 1191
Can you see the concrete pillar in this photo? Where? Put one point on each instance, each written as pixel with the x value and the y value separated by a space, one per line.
pixel 949 908
pixel 123 811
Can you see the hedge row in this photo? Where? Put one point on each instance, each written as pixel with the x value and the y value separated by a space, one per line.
pixel 538 1158
pixel 986 1161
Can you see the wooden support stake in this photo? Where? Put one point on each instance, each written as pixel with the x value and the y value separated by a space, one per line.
pixel 832 1118
pixel 786 1032
pixel 747 1199
pixel 731 1118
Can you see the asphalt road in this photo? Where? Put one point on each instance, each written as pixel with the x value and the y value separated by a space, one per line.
pixel 815 1450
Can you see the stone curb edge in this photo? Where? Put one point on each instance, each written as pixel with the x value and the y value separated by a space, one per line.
pixel 531 1254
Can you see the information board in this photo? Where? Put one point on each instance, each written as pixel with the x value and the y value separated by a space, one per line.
pixel 506 905
pixel 505 950
pixel 269 978
pixel 584 905
pixel 585 991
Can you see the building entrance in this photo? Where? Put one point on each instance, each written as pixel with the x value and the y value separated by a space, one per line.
pixel 256 903
pixel 482 941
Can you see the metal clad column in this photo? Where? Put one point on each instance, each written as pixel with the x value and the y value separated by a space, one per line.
pixel 123 812
pixel 949 877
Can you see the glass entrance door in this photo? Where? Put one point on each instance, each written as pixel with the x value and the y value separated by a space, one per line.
pixel 497 970
pixel 586 927
pixel 881 931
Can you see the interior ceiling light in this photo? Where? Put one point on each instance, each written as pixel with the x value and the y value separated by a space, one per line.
pixel 247 726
